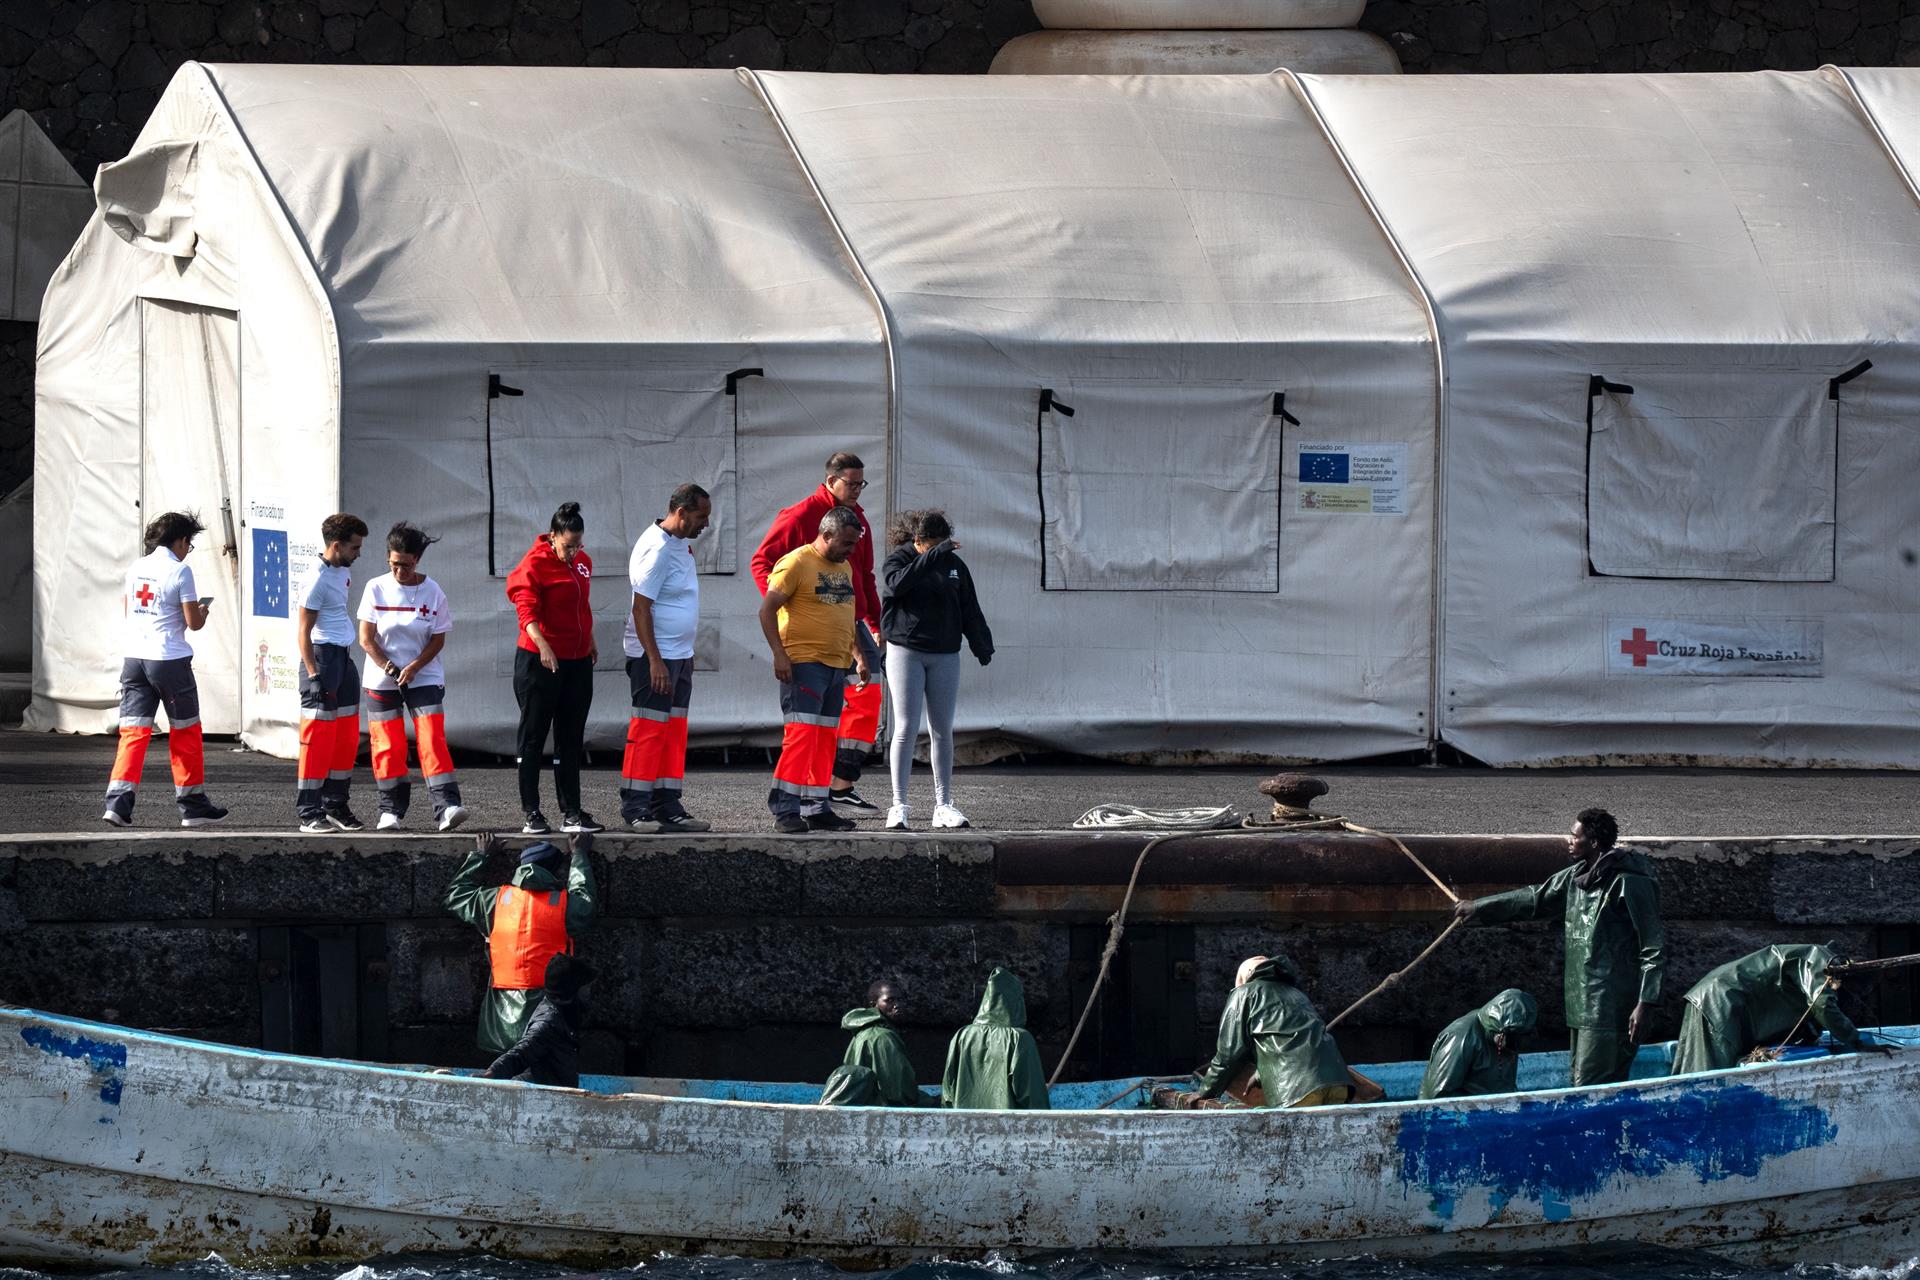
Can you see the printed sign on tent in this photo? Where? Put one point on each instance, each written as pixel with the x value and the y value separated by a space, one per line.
pixel 1643 646
pixel 1353 479
pixel 270 664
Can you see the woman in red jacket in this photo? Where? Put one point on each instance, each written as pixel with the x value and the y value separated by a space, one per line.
pixel 551 589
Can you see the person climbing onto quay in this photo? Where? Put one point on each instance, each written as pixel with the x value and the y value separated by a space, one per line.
pixel 526 923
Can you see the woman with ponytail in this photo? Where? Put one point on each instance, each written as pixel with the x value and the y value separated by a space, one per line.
pixel 552 592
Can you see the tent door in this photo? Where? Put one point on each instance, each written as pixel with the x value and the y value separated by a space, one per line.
pixel 189 461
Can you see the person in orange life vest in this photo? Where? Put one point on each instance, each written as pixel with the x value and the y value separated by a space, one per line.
pixel 404 623
pixel 795 527
pixel 808 620
pixel 329 686
pixel 161 605
pixel 526 923
pixel 553 661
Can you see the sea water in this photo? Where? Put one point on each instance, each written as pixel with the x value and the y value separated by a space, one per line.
pixel 1607 1263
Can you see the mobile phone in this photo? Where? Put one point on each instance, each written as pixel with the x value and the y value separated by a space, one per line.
pixel 205 601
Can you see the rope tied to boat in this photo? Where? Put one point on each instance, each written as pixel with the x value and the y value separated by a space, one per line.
pixel 1201 822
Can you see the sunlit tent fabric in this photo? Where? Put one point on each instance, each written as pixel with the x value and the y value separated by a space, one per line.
pixel 1164 348
pixel 1153 296
pixel 1674 499
pixel 458 297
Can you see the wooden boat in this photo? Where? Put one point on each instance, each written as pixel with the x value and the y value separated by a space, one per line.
pixel 125 1147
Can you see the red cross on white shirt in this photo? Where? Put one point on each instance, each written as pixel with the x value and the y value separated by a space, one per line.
pixel 144 595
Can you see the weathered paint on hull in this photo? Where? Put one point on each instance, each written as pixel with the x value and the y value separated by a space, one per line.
pixel 123 1148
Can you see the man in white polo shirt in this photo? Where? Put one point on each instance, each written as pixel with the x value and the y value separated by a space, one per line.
pixel 329 686
pixel 659 646
pixel 162 605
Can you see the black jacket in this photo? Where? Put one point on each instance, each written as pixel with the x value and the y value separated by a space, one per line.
pixel 930 605
pixel 548 1051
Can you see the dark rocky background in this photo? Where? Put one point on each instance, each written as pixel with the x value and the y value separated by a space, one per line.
pixel 91 72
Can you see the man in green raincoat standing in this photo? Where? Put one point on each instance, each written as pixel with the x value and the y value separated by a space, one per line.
pixel 526 923
pixel 992 1062
pixel 1479 1051
pixel 1759 1000
pixel 1615 944
pixel 879 1048
pixel 1270 1022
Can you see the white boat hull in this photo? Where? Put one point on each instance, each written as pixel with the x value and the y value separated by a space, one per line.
pixel 118 1147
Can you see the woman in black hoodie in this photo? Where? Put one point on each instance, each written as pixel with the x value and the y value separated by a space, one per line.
pixel 928 609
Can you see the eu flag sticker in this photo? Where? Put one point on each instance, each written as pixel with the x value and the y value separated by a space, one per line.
pixel 1324 468
pixel 269 573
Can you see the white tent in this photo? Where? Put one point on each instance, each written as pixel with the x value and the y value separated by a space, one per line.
pixel 304 281
pixel 1707 567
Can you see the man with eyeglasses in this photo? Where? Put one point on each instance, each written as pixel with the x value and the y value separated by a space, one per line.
pixel 797 526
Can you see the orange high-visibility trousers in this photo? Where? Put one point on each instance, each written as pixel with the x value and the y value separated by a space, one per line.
pixel 810 707
pixel 653 771
pixel 147 685
pixel 329 731
pixel 387 713
pixel 859 728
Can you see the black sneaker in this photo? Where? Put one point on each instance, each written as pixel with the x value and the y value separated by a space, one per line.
pixel 851 799
pixel 536 825
pixel 830 821
pixel 579 824
pixel 206 817
pixel 342 819
pixel 316 825
pixel 683 822
pixel 791 824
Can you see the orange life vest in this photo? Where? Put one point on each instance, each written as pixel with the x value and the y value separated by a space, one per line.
pixel 529 929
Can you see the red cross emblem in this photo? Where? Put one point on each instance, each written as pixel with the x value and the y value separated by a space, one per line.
pixel 144 595
pixel 1640 647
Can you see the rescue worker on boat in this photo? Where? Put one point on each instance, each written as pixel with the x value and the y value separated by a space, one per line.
pixel 993 1063
pixel 1479 1052
pixel 1270 1025
pixel 1758 1001
pixel 1615 945
pixel 878 1052
pixel 526 923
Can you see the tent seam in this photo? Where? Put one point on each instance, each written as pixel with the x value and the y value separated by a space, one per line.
pixel 1873 122
pixel 1442 405
pixel 881 309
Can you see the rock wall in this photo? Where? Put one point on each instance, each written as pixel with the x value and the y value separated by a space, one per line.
pixel 90 71
pixel 728 956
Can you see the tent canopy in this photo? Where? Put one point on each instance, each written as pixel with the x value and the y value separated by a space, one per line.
pixel 1240 390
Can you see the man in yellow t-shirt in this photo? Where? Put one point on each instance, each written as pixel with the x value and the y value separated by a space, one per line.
pixel 808 617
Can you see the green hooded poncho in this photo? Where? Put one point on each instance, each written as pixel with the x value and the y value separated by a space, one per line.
pixel 1615 944
pixel 1756 1000
pixel 1269 1021
pixel 504 1014
pixel 879 1048
pixel 993 1063
pixel 1463 1062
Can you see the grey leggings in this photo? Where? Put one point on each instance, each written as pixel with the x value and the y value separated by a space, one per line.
pixel 915 679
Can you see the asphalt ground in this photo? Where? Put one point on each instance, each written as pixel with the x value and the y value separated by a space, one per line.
pixel 55 783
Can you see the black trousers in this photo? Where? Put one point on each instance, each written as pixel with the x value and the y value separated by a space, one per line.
pixel 556 701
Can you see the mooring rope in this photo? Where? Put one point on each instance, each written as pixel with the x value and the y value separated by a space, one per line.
pixel 1305 821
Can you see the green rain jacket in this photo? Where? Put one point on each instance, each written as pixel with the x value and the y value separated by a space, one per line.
pixel 1269 1021
pixel 992 1062
pixel 879 1048
pixel 1615 944
pixel 1463 1061
pixel 1756 1000
pixel 504 1014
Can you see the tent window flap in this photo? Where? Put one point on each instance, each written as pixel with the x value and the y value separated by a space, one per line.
pixel 1724 478
pixel 618 442
pixel 1157 486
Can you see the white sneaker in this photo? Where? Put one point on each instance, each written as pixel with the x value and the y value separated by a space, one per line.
pixel 388 822
pixel 945 815
pixel 453 817
pixel 897 817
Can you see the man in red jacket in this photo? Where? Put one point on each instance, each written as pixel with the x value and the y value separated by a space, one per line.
pixel 796 526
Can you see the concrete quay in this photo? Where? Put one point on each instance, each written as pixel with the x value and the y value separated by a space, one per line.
pixel 735 955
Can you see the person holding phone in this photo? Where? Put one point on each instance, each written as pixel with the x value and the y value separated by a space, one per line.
pixel 161 605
